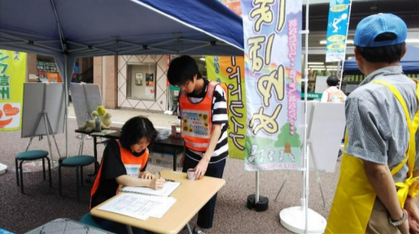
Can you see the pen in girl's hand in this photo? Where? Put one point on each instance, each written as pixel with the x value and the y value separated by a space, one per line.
pixel 169 180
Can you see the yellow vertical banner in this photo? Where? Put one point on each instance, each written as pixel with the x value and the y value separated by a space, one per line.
pixel 12 77
pixel 230 70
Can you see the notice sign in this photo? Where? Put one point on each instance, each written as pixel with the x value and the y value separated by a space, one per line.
pixel 12 77
pixel 337 30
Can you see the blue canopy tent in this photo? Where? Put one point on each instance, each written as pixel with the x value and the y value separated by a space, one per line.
pixel 410 63
pixel 66 30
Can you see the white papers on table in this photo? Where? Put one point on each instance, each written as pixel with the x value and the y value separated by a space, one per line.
pixel 167 189
pixel 139 206
pixel 104 132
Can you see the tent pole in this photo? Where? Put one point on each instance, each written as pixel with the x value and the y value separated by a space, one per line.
pixel 304 199
pixel 66 103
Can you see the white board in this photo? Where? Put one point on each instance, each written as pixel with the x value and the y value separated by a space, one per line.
pixel 86 98
pixel 39 97
pixel 321 84
pixel 325 131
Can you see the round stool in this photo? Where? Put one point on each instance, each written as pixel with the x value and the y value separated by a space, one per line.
pixel 29 156
pixel 78 162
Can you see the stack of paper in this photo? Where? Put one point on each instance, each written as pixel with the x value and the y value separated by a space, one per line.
pixel 103 132
pixel 167 189
pixel 139 206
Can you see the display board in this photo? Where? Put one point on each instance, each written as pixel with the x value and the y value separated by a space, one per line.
pixel 321 84
pixel 326 125
pixel 86 98
pixel 39 98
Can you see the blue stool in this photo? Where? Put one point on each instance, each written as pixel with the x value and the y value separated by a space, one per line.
pixel 87 219
pixel 78 162
pixel 29 156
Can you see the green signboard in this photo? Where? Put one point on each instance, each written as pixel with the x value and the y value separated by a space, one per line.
pixel 312 95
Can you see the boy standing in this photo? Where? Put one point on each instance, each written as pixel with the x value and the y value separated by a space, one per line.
pixel 203 114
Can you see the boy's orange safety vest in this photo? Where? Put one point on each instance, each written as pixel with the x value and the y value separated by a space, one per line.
pixel 196 118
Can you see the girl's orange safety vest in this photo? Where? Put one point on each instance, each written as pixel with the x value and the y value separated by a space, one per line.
pixel 127 159
pixel 196 125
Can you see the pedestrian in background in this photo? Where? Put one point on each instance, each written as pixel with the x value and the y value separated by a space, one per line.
pixel 332 93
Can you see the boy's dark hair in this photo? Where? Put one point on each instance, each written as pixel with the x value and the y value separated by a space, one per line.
pixel 182 69
pixel 135 129
pixel 332 81
pixel 384 54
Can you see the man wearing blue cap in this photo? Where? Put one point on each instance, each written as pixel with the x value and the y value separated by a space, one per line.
pixel 376 192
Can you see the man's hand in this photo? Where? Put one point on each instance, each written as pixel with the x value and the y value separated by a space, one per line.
pixel 404 228
pixel 412 209
pixel 201 168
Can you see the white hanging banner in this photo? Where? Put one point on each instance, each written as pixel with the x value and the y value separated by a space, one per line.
pixel 337 30
pixel 273 83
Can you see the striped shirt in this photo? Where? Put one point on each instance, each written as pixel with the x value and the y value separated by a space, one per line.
pixel 219 116
pixel 375 120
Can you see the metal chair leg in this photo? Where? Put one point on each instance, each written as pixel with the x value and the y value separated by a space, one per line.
pixel 59 180
pixel 21 177
pixel 77 181
pixel 17 171
pixel 43 168
pixel 49 172
pixel 81 176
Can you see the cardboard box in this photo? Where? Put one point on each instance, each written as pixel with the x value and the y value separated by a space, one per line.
pixel 164 160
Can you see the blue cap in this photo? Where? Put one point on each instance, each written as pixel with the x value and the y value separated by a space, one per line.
pixel 372 26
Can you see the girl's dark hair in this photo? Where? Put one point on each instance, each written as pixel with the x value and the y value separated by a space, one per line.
pixel 135 129
pixel 182 69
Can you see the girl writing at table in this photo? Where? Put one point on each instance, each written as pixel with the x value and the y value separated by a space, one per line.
pixel 124 162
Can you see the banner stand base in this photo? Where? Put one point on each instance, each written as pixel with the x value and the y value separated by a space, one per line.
pixel 261 205
pixel 293 219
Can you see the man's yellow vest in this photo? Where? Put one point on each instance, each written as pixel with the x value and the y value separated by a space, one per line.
pixel 354 197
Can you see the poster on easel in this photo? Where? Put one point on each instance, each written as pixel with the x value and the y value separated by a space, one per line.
pixel 86 98
pixel 325 133
pixel 40 98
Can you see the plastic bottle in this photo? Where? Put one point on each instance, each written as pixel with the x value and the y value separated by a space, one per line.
pixel 97 124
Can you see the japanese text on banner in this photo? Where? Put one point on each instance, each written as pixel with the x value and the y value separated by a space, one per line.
pixel 273 81
pixel 12 77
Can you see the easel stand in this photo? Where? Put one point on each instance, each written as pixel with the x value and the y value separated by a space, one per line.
pixel 260 203
pixel 82 136
pixel 318 179
pixel 48 130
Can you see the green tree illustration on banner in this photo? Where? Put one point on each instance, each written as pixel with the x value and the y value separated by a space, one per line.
pixel 285 137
